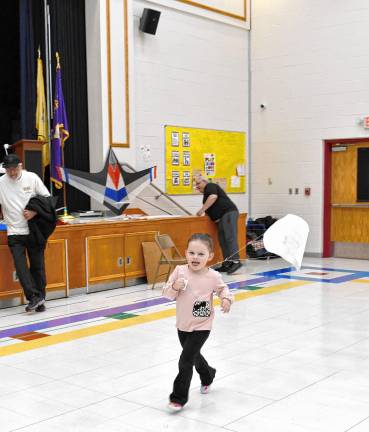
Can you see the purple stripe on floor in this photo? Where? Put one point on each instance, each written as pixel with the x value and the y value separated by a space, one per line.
pixel 81 317
pixel 106 312
pixel 243 284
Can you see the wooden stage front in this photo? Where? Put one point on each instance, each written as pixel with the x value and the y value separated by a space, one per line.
pixel 105 253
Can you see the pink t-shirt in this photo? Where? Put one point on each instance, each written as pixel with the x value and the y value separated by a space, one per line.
pixel 195 309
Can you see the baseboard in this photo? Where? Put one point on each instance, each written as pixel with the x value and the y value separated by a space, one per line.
pixel 350 250
pixel 314 254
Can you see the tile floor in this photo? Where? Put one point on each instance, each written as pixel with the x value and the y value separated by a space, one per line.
pixel 292 356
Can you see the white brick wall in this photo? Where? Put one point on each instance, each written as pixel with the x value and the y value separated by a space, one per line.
pixel 193 73
pixel 310 66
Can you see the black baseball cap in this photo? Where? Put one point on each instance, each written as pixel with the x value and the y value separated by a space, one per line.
pixel 11 161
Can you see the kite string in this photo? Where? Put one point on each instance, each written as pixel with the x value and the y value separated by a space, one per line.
pixel 239 250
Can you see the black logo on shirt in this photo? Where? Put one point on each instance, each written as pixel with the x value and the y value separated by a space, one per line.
pixel 201 309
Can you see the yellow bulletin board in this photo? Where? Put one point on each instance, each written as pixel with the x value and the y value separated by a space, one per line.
pixel 219 155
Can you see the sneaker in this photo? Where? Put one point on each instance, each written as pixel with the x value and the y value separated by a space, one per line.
pixel 40 308
pixel 175 406
pixel 34 303
pixel 205 389
pixel 224 267
pixel 234 267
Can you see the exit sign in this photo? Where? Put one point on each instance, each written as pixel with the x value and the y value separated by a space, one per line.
pixel 366 122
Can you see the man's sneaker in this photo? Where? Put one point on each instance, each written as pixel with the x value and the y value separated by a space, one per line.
pixel 175 406
pixel 40 308
pixel 235 266
pixel 34 303
pixel 224 267
pixel 205 389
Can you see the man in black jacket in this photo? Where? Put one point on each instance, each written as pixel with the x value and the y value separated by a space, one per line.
pixel 218 206
pixel 18 188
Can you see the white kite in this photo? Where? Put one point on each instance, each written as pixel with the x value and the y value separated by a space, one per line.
pixel 287 238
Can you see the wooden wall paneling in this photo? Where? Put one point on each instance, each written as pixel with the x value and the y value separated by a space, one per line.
pixel 105 252
pixel 8 287
pixel 134 259
pixel 181 232
pixel 105 257
pixel 76 253
pixel 232 8
pixel 350 225
pixel 344 174
pixel 56 265
pixel 178 233
pixel 344 171
pixel 118 73
pixel 347 224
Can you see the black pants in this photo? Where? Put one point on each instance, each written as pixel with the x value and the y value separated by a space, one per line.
pixel 192 343
pixel 227 235
pixel 32 279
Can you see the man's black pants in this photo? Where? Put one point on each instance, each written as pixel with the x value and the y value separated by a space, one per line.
pixel 32 279
pixel 192 343
pixel 227 235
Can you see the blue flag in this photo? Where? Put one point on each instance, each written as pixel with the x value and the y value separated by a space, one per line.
pixel 60 130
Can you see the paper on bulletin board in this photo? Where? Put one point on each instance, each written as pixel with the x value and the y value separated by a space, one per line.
pixel 186 158
pixel 241 170
pixel 175 158
pixel 175 178
pixel 235 181
pixel 216 154
pixel 186 139
pixel 209 164
pixel 186 178
pixel 175 139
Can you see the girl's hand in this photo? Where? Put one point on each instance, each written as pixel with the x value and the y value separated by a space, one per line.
pixel 225 306
pixel 179 284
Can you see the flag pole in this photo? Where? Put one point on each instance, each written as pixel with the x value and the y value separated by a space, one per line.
pixel 62 152
pixel 48 81
pixel 42 120
pixel 60 133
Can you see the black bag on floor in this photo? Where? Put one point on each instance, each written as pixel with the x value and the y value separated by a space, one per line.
pixel 255 231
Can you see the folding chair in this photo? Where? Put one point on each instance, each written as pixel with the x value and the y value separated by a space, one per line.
pixel 170 255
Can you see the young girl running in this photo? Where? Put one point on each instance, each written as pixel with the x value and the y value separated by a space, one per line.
pixel 193 286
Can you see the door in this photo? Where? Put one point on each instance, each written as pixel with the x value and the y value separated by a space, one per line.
pixel 349 230
pixel 105 262
pixel 134 258
pixel 56 268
